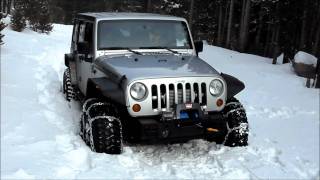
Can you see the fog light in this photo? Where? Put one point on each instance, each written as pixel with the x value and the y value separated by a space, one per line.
pixel 219 102
pixel 136 108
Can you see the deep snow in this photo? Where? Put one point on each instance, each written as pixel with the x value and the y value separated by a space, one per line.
pixel 39 132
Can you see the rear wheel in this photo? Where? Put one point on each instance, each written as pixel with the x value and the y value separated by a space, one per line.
pixel 100 129
pixel 67 87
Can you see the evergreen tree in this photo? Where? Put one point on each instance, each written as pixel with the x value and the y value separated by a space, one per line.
pixel 2 26
pixel 18 21
pixel 32 12
pixel 43 22
pixel 263 27
pixel 37 12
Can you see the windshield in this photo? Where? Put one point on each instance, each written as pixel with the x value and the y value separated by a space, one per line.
pixel 140 34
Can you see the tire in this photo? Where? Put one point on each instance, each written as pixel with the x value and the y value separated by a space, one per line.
pixel 101 131
pixel 68 89
pixel 84 118
pixel 237 124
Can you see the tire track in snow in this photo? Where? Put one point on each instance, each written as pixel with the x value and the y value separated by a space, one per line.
pixel 73 150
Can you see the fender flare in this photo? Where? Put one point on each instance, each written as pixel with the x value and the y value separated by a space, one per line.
pixel 234 85
pixel 107 88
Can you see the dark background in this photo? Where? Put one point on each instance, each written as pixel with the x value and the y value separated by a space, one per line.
pixel 263 27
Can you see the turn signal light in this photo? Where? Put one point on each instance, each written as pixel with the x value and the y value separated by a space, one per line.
pixel 219 102
pixel 136 108
pixel 212 130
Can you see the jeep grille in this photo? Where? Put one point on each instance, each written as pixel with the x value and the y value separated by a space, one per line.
pixel 166 96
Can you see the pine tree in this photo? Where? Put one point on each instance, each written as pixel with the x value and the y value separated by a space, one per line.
pixel 18 21
pixel 37 13
pixel 2 26
pixel 31 12
pixel 43 22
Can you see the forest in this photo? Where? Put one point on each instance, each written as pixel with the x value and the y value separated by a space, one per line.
pixel 262 27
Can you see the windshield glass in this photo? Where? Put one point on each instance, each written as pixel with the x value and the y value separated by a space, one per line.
pixel 139 34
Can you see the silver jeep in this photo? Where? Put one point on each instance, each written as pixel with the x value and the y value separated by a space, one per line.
pixel 139 79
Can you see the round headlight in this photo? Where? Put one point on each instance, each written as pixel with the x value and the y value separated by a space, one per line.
pixel 138 91
pixel 216 87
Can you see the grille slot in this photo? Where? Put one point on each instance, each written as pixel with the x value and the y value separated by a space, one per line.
pixel 154 97
pixel 180 93
pixel 163 95
pixel 196 92
pixel 188 93
pixel 166 96
pixel 171 95
pixel 203 95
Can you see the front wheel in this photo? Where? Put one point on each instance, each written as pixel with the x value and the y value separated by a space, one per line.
pixel 237 124
pixel 100 129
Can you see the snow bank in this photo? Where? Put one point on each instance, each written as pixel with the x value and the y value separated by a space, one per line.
pixel 303 57
pixel 39 129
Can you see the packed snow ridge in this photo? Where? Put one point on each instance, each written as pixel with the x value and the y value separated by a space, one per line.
pixel 39 129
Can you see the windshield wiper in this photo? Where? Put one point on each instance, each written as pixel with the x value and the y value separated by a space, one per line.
pixel 161 47
pixel 124 48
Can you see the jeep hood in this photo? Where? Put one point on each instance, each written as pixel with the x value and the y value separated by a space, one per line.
pixel 134 67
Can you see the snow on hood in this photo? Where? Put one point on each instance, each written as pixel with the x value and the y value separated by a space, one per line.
pixel 155 66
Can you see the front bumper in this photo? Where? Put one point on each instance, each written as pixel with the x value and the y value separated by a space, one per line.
pixel 153 130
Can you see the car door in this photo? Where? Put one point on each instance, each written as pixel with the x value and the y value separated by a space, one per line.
pixel 84 59
pixel 73 52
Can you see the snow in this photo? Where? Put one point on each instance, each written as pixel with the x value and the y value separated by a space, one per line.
pixel 303 57
pixel 39 129
pixel 280 58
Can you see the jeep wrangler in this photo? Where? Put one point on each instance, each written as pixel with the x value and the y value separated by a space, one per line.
pixel 139 79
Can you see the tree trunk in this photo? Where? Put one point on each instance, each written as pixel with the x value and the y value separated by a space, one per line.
pixel 9 6
pixel 148 5
pixel 224 26
pixel 244 24
pixel 257 39
pixel 267 43
pixel 316 44
pixel 191 14
pixel 242 19
pixel 5 6
pixel 1 5
pixel 317 80
pixel 219 36
pixel 229 23
pixel 303 27
pixel 275 44
pixel 317 35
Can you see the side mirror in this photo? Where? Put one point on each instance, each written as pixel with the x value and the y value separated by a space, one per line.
pixel 83 48
pixel 198 46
